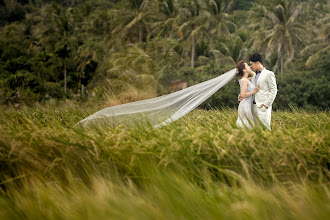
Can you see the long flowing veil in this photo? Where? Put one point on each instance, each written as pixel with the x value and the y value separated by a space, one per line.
pixel 161 110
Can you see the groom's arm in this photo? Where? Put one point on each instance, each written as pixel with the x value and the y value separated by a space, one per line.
pixel 272 89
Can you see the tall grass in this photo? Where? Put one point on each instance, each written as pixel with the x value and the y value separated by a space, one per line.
pixel 200 167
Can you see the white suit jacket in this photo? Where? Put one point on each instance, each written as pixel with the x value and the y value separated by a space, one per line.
pixel 268 88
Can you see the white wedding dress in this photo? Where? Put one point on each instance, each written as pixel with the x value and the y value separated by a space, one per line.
pixel 245 116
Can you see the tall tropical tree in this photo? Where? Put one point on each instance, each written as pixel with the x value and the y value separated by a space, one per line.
pixel 87 56
pixel 168 11
pixel 133 15
pixel 193 26
pixel 64 53
pixel 130 76
pixel 277 29
pixel 56 34
pixel 318 16
pixel 220 24
pixel 224 40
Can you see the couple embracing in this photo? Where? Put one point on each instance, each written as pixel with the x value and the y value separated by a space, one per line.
pixel 257 95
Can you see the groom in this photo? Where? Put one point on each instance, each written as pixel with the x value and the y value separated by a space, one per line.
pixel 262 100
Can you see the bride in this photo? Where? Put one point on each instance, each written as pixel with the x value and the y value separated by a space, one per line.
pixel 245 116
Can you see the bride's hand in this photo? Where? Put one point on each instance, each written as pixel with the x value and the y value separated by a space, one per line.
pixel 240 98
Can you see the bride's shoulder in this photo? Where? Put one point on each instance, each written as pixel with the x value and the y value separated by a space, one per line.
pixel 242 80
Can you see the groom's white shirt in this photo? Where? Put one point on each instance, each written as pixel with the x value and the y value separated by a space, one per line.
pixel 268 88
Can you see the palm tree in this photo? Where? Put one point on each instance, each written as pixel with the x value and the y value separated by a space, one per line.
pixel 225 42
pixel 193 26
pixel 134 61
pixel 132 15
pixel 64 53
pixel 130 76
pixel 233 48
pixel 168 15
pixel 220 24
pixel 319 19
pixel 41 60
pixel 276 29
pixel 88 54
pixel 56 32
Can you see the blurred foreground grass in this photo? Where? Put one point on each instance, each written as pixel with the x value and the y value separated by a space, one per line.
pixel 199 167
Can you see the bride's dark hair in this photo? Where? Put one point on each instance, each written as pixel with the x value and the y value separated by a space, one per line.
pixel 240 67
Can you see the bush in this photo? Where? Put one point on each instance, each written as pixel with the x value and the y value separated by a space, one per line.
pixel 306 89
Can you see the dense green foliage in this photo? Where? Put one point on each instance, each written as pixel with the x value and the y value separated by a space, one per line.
pixel 200 167
pixel 112 51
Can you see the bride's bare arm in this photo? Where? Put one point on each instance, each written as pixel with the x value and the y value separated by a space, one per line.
pixel 245 94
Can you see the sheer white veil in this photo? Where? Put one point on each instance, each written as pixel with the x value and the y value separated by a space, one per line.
pixel 161 110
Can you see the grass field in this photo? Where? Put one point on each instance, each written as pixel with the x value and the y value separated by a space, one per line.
pixel 199 167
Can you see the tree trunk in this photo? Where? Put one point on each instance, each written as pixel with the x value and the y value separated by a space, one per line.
pixel 282 58
pixel 140 32
pixel 192 51
pixel 21 93
pixel 276 65
pixel 82 91
pixel 64 77
pixel 282 64
pixel 44 96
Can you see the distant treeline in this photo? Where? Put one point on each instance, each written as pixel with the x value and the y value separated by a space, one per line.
pixel 110 51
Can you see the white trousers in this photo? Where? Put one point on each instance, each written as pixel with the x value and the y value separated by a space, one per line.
pixel 262 115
